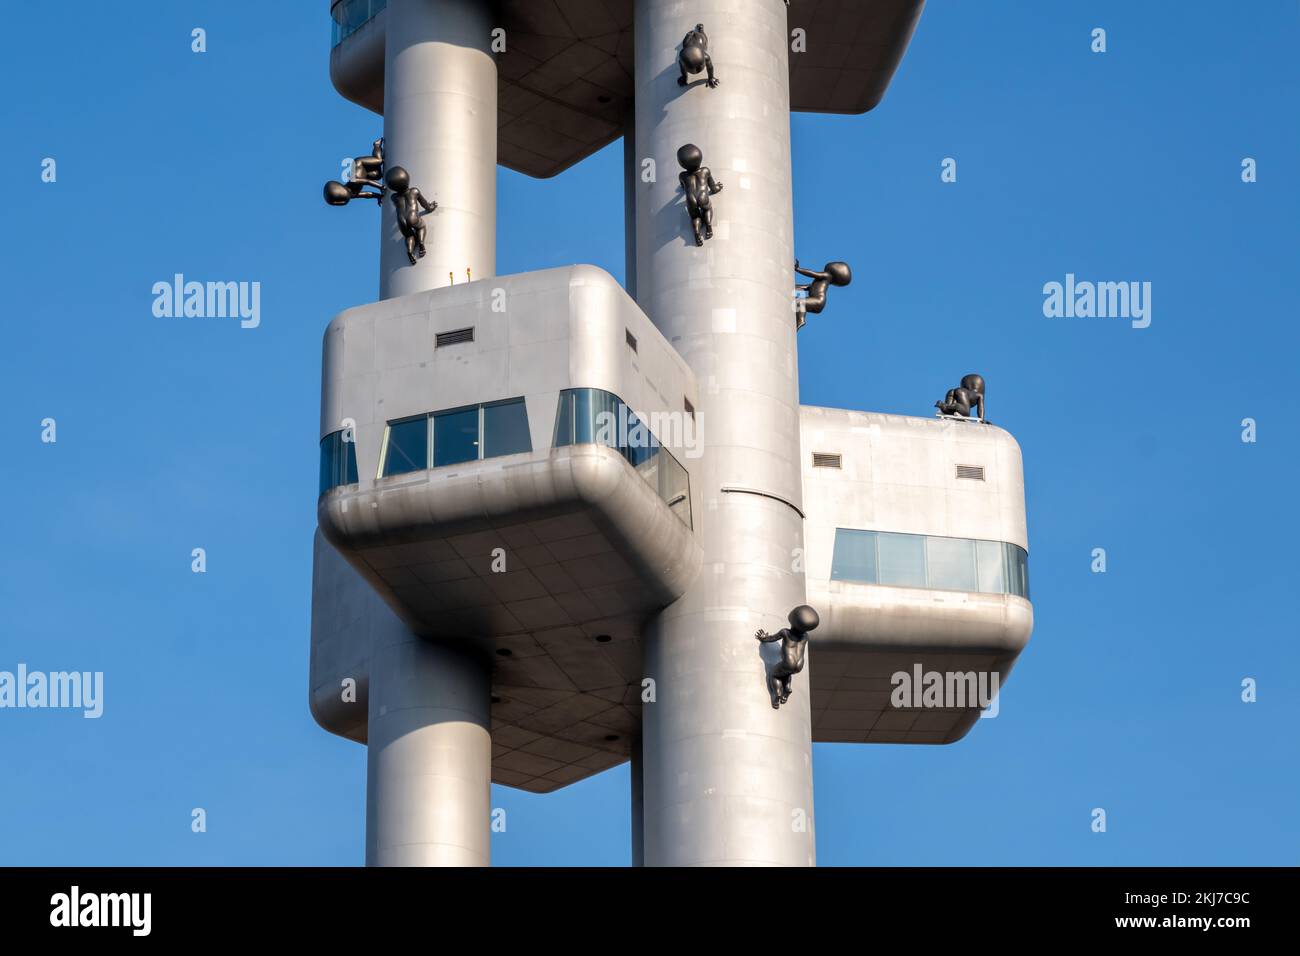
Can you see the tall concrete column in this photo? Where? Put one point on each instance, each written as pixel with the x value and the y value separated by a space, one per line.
pixel 429 768
pixel 440 123
pixel 429 756
pixel 727 779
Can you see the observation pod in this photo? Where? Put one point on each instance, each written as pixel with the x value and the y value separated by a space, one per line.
pixel 918 561
pixel 510 498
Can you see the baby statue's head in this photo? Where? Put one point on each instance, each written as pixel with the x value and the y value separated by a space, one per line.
pixel 803 618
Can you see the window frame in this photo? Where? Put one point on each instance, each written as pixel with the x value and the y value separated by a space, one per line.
pixel 1014 562
pixel 565 434
pixel 478 438
pixel 383 446
pixel 340 456
pixel 482 427
pixel 430 419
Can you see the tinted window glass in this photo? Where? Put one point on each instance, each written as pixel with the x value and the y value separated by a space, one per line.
pixel 455 436
pixel 564 420
pixel 855 556
pixel 349 460
pixel 592 416
pixel 641 446
pixel 674 487
pixel 950 563
pixel 913 560
pixel 602 423
pixel 902 559
pixel 582 426
pixel 991 556
pixel 408 446
pixel 505 429
pixel 338 462
pixel 1019 563
pixel 327 462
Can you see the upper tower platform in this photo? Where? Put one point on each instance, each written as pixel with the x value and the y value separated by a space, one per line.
pixel 565 84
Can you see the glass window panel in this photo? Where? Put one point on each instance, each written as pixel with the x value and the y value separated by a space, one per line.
pixel 608 418
pixel 991 558
pixel 349 460
pixel 455 436
pixel 855 556
pixel 338 462
pixel 648 469
pixel 902 559
pixel 613 414
pixel 408 446
pixel 674 487
pixel 583 416
pixel 505 429
pixel 950 563
pixel 594 416
pixel 641 446
pixel 564 420
pixel 327 462
pixel 1019 562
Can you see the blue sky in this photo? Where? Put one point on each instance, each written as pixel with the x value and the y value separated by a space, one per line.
pixel 176 434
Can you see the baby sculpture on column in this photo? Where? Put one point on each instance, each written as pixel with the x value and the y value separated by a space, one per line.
pixel 698 184
pixel 793 641
pixel 694 57
pixel 408 201
pixel 366 171
pixel 835 273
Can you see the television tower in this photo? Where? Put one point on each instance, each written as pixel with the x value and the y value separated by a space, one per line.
pixel 556 513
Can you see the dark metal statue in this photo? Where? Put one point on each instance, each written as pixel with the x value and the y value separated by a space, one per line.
pixel 695 56
pixel 699 186
pixel 366 171
pixel 835 273
pixel 793 641
pixel 408 201
pixel 959 401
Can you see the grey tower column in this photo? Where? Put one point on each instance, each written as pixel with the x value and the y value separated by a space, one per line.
pixel 428 784
pixel 429 757
pixel 727 779
pixel 440 123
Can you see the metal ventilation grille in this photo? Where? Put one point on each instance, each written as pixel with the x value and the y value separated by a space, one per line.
pixel 631 339
pixel 455 337
pixel 973 472
pixel 823 459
